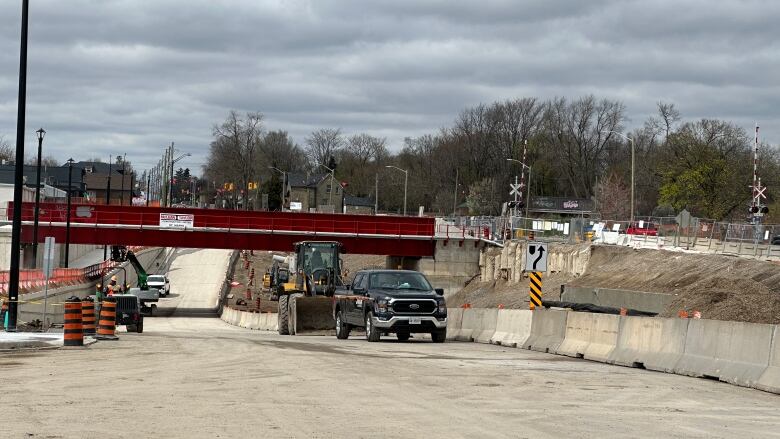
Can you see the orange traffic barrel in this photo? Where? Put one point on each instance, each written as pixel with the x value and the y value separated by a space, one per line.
pixel 107 323
pixel 73 330
pixel 88 316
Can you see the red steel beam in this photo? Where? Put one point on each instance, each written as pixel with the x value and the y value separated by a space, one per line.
pixel 413 237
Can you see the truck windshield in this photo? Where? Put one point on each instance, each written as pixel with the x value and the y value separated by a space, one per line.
pixel 399 281
pixel 318 256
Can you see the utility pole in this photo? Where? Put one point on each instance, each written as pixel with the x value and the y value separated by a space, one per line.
pixel 455 194
pixel 16 228
pixel 376 195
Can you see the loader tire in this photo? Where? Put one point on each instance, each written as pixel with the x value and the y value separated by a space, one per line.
pixel 284 314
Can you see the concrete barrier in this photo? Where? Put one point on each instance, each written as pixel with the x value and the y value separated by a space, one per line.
pixel 470 321
pixel 271 322
pixel 487 325
pixel 652 343
pixel 579 327
pixel 734 352
pixel 548 328
pixel 770 379
pixel 603 337
pixel 512 327
pixel 454 321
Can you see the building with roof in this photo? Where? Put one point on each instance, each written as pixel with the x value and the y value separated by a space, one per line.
pixel 54 176
pixel 358 205
pixel 312 193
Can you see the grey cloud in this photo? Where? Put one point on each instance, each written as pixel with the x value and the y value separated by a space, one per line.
pixel 115 76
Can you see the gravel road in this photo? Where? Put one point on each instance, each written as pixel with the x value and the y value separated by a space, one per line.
pixel 190 375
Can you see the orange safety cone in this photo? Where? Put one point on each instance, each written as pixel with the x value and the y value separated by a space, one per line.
pixel 623 311
pixel 683 314
pixel 500 306
pixel 88 316
pixel 696 314
pixel 248 294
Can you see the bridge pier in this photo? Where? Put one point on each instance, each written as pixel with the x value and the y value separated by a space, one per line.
pixel 453 265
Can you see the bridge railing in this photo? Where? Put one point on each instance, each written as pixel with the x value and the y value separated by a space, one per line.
pixel 229 219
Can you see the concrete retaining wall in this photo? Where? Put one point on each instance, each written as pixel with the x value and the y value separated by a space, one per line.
pixel 640 300
pixel 513 326
pixel 509 262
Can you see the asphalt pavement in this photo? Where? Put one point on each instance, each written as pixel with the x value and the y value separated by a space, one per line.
pixel 190 375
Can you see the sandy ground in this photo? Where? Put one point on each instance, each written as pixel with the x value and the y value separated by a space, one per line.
pixel 191 375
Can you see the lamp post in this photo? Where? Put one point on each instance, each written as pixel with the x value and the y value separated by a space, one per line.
pixel 67 216
pixel 170 179
pixel 41 133
pixel 330 196
pixel 632 169
pixel 284 184
pixel 16 227
pixel 528 190
pixel 406 181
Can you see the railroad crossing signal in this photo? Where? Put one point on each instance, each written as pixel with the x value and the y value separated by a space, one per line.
pixel 516 188
pixel 534 290
pixel 536 257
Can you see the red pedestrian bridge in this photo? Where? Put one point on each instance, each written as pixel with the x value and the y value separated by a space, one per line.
pixel 235 229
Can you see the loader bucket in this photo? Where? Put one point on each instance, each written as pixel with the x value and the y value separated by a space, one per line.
pixel 312 315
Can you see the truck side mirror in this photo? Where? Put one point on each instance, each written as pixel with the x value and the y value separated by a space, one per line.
pixel 439 291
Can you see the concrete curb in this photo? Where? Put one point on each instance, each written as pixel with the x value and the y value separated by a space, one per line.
pixel 250 320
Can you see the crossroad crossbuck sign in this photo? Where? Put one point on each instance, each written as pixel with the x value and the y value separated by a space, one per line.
pixel 515 188
pixel 536 257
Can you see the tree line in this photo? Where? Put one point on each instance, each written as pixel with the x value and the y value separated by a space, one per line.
pixel 575 147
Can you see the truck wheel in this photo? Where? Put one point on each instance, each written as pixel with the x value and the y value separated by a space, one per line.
pixel 403 335
pixel 439 336
pixel 372 334
pixel 342 328
pixel 131 328
pixel 284 315
pixel 140 326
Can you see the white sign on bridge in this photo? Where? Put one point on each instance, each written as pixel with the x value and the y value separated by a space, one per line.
pixel 177 220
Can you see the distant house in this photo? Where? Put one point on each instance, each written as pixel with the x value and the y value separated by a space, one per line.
pixel 54 176
pixel 308 193
pixel 96 182
pixel 358 205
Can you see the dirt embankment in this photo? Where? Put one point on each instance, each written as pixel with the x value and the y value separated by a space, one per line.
pixel 721 287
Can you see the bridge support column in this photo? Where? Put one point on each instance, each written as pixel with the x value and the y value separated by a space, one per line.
pixel 451 267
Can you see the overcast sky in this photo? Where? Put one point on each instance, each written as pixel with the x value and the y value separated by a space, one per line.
pixel 130 76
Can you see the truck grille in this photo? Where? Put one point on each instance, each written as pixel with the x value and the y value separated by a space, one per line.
pixel 414 306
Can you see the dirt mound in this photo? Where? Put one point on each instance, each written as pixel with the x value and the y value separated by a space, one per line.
pixel 721 287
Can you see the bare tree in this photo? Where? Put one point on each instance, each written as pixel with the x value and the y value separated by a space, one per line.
pixel 279 151
pixel 613 198
pixel 323 144
pixel 7 153
pixel 232 154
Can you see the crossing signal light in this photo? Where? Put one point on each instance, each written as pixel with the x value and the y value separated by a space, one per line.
pixel 754 209
pixel 764 209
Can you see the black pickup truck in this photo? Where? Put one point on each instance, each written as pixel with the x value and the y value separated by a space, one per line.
pixel 390 301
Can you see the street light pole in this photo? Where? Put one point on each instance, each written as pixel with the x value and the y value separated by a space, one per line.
pixel 406 182
pixel 67 216
pixel 528 189
pixel 632 169
pixel 16 227
pixel 284 182
pixel 41 133
pixel 170 179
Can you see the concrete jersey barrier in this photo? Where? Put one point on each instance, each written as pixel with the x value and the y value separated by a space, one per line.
pixel 770 379
pixel 734 352
pixel 513 327
pixel 653 343
pixel 454 321
pixel 603 337
pixel 470 321
pixel 548 328
pixel 579 326
pixel 486 325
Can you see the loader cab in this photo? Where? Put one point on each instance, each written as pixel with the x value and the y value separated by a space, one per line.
pixel 320 263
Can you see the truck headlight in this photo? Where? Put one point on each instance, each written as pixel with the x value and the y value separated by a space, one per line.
pixel 442 308
pixel 383 305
